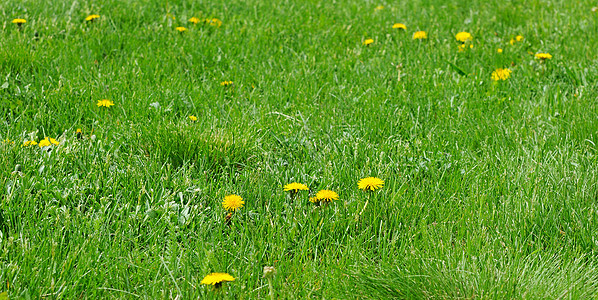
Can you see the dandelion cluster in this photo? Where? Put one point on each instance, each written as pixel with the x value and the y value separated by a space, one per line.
pixel 47 142
pixel 501 74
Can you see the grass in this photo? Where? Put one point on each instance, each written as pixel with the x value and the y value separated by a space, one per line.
pixel 490 187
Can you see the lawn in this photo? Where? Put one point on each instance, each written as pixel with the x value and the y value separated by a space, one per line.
pixel 121 136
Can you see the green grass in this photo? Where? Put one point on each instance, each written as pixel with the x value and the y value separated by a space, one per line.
pixel 490 192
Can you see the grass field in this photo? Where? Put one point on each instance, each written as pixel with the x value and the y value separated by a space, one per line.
pixel 490 186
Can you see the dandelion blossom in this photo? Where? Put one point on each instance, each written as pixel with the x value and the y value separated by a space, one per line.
pixel 379 7
pixel 226 83
pixel 519 38
pixel 19 21
pixel 29 143
pixel 90 18
pixel 314 199
pixel 214 22
pixel 370 183
pixel 543 56
pixel 194 20
pixel 295 187
pixel 501 74
pixel 420 35
pixel 232 202
pixel 193 118
pixel 463 37
pixel 216 279
pixel 47 142
pixel 105 103
pixel 326 196
pixel 181 29
pixel 399 26
pixel 367 42
pixel 499 50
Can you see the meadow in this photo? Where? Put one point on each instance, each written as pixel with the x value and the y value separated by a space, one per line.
pixel 121 134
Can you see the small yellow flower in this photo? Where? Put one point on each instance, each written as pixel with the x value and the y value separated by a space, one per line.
pixel 193 118
pixel 543 56
pixel 216 279
pixel 420 35
pixel 105 103
pixel 47 142
pixel 461 47
pixel 194 20
pixel 29 143
pixel 379 7
pixel 464 37
pixel 399 26
pixel 91 17
pixel 232 202
pixel 314 199
pixel 519 38
pixel 295 187
pixel 512 42
pixel 499 50
pixel 501 74
pixel 326 196
pixel 79 131
pixel 19 21
pixel 8 141
pixel 367 42
pixel 226 83
pixel 181 29
pixel 214 22
pixel 370 183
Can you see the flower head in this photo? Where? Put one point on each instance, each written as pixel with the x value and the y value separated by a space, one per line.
pixel 367 42
pixel 19 21
pixel 295 187
pixel 314 199
pixel 420 35
pixel 216 279
pixel 399 26
pixel 232 202
pixel 105 103
pixel 29 143
pixel 379 7
pixel 543 56
pixel 193 118
pixel 181 29
pixel 226 83
pixel 499 50
pixel 90 18
pixel 326 196
pixel 519 38
pixel 47 142
pixel 194 20
pixel 214 22
pixel 463 37
pixel 501 74
pixel 370 183
pixel 463 47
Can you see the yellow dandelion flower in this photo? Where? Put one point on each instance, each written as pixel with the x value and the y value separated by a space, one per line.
pixel 499 50
pixel 379 7
pixel 370 183
pixel 399 26
pixel 194 20
pixel 326 196
pixel 19 21
pixel 512 42
pixel 29 143
pixel 79 131
pixel 543 56
pixel 501 74
pixel 232 202
pixel 214 22
pixel 181 29
pixel 47 142
pixel 420 35
pixel 295 187
pixel 464 37
pixel 461 48
pixel 367 42
pixel 314 199
pixel 226 83
pixel 105 103
pixel 519 38
pixel 216 279
pixel 193 118
pixel 91 17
